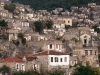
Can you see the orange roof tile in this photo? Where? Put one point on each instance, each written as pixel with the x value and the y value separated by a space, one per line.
pixel 11 59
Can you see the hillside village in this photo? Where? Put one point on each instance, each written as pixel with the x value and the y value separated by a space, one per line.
pixel 71 39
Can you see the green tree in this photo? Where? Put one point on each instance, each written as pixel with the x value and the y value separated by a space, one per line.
pixel 20 35
pixel 5 69
pixel 26 73
pixel 95 27
pixel 74 39
pixel 23 41
pixel 10 7
pixel 86 70
pixel 39 26
pixel 3 23
pixel 67 27
pixel 49 24
pixel 55 72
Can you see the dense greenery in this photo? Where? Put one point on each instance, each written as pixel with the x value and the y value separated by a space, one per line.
pixel 55 72
pixel 52 4
pixel 40 25
pixel 26 73
pixel 5 69
pixel 95 27
pixel 10 7
pixel 23 40
pixel 86 70
pixel 3 23
pixel 49 24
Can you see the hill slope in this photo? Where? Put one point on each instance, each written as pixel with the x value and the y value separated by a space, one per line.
pixel 52 4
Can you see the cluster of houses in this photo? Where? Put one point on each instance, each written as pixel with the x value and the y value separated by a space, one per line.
pixel 56 48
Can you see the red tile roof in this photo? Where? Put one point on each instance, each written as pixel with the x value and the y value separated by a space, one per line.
pixel 30 58
pixel 49 52
pixel 11 59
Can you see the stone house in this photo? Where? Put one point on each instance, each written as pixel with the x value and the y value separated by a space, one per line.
pixel 5 14
pixel 19 64
pixel 53 60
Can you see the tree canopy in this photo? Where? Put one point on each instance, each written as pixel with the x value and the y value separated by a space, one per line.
pixel 52 4
pixel 3 23
pixel 86 70
pixel 10 7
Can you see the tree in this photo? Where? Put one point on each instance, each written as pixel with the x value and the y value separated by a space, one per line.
pixel 10 7
pixel 67 27
pixel 3 23
pixel 74 39
pixel 31 72
pixel 5 69
pixel 39 26
pixel 55 72
pixel 20 35
pixel 49 24
pixel 23 41
pixel 86 70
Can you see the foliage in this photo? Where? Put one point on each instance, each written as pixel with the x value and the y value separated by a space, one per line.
pixel 74 39
pixel 67 27
pixel 49 24
pixel 23 41
pixel 26 73
pixel 3 23
pixel 20 35
pixel 39 26
pixel 10 7
pixel 52 4
pixel 95 27
pixel 84 45
pixel 16 42
pixel 58 38
pixel 55 72
pixel 86 70
pixel 5 69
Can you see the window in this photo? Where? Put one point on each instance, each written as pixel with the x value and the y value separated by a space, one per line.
pixel 50 46
pixel 68 21
pixel 90 52
pixel 95 53
pixel 56 59
pixel 23 67
pixel 85 41
pixel 17 67
pixel 34 67
pixel 51 59
pixel 60 59
pixel 86 52
pixel 65 59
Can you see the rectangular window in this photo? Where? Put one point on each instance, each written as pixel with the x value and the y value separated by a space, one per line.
pixel 56 59
pixel 50 46
pixel 60 59
pixel 86 52
pixel 65 59
pixel 17 67
pixel 51 59
pixel 95 53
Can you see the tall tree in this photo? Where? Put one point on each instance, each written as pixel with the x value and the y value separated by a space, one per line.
pixel 86 70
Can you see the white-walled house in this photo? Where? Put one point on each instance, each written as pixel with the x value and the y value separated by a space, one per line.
pixel 52 59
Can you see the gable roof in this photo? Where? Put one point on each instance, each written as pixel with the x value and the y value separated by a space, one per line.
pixel 49 52
pixel 11 59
